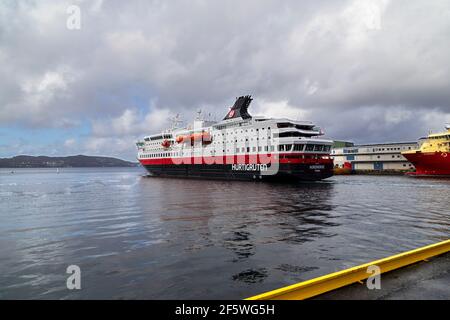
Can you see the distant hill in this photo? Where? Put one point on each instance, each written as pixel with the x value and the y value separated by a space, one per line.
pixel 63 162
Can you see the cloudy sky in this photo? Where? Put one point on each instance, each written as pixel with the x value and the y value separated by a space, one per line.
pixel 365 71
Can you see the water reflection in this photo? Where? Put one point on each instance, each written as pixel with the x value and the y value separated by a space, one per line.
pixel 136 237
pixel 251 275
pixel 240 244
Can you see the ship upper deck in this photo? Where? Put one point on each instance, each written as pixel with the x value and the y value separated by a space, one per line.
pixel 237 133
pixel 437 142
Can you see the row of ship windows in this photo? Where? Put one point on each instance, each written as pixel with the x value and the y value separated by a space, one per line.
pixel 176 154
pixel 376 149
pixel 290 147
pixel 242 131
pixel 293 147
pixel 440 137
pixel 281 147
pixel 236 140
pixel 352 157
pixel 160 137
pixel 307 147
pixel 228 126
pixel 216 135
pixel 390 149
pixel 156 143
pixel 275 135
pixel 287 134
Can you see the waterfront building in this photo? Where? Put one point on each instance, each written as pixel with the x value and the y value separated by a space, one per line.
pixel 373 157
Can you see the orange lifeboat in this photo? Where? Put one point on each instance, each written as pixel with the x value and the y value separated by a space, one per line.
pixel 205 137
pixel 166 143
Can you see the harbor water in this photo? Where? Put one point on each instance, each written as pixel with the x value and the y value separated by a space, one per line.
pixel 136 237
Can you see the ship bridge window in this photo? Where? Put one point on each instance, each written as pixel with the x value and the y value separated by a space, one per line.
pixel 318 147
pixel 284 147
pixel 309 147
pixel 285 125
pixel 298 147
pixel 304 127
pixel 156 138
pixel 289 134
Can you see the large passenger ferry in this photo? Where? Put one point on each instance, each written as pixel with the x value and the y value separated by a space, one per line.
pixel 433 156
pixel 239 147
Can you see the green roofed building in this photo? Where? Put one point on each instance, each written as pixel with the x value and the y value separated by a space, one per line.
pixel 342 144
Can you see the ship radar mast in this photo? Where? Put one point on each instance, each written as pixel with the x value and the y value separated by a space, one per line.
pixel 199 115
pixel 175 121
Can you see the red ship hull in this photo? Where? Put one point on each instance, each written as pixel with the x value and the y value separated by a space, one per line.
pixel 430 163
pixel 291 167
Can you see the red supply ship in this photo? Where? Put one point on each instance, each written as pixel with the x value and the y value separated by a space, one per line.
pixel 239 147
pixel 433 156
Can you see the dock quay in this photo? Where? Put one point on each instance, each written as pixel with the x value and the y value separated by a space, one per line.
pixel 422 273
pixel 421 281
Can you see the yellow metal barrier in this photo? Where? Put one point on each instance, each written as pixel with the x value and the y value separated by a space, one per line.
pixel 316 286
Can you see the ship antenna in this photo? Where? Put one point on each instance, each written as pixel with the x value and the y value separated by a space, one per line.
pixel 199 114
pixel 176 121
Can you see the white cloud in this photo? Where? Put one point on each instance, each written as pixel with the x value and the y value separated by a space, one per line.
pixel 397 115
pixel 69 143
pixel 371 61
pixel 280 109
pixel 118 135
pixel 131 122
pixel 42 90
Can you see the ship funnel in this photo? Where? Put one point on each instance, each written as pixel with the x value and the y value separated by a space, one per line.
pixel 240 108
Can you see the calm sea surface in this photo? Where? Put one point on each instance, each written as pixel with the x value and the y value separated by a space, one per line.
pixel 153 238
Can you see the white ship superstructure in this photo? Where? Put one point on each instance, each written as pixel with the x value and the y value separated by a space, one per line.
pixel 239 147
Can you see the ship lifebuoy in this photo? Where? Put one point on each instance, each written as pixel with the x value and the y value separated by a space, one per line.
pixel 165 143
pixel 444 154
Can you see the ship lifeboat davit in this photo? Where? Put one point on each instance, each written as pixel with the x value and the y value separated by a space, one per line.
pixel 165 143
